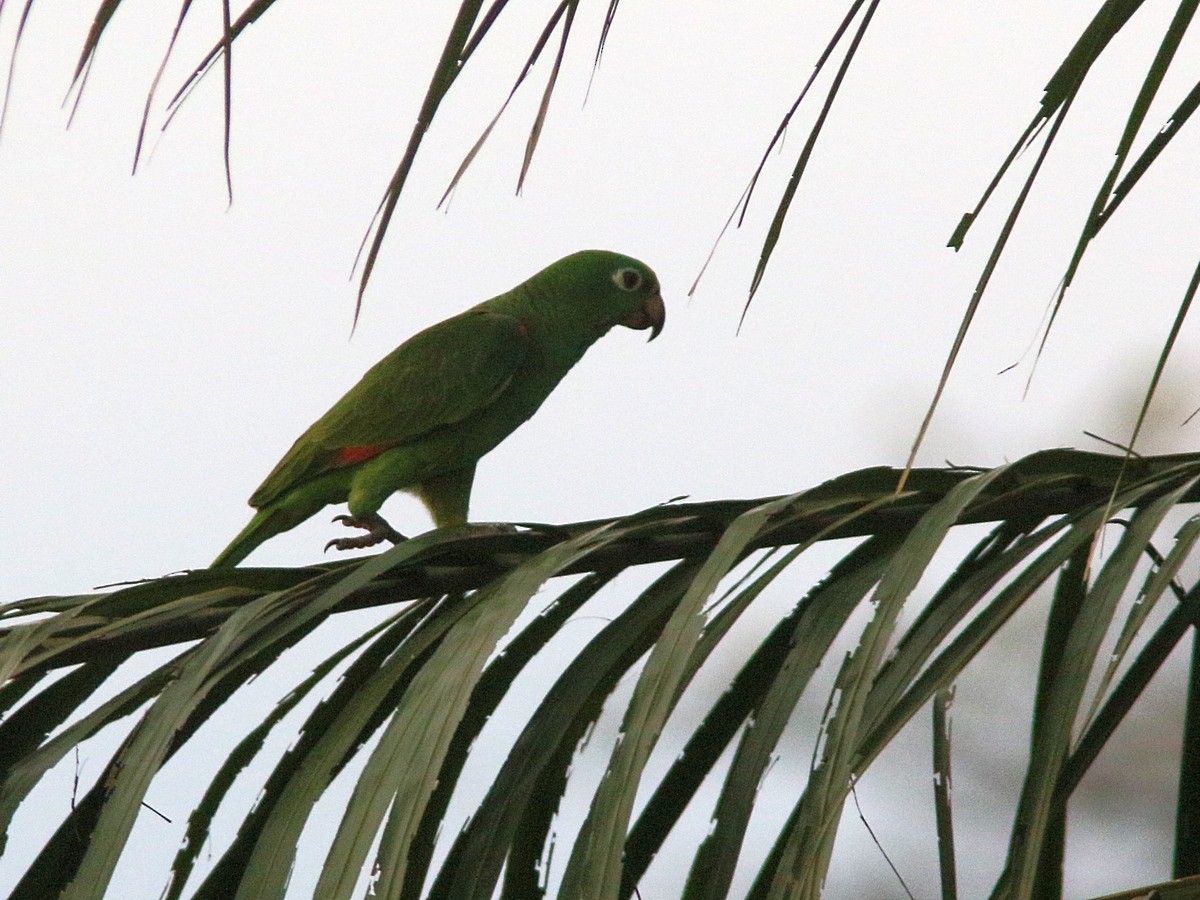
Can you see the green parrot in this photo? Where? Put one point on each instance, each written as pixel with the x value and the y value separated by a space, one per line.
pixel 421 418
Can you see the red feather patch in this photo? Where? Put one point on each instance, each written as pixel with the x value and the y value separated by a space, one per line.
pixel 348 456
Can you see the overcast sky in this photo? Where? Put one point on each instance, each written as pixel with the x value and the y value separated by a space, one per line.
pixel 159 349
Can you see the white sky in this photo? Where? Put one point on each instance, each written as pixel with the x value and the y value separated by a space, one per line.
pixel 159 352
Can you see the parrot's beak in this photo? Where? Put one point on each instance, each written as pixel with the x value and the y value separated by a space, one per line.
pixel 652 315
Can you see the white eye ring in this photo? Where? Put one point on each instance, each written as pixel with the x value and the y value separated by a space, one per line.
pixel 627 279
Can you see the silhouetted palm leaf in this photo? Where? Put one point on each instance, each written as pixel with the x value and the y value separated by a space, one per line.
pixel 404 701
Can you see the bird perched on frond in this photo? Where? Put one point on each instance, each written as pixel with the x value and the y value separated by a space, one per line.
pixel 421 418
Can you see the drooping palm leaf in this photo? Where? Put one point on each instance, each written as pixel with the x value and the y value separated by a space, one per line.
pixel 472 24
pixel 413 692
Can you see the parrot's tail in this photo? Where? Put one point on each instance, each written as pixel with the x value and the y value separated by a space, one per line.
pixel 285 513
pixel 266 524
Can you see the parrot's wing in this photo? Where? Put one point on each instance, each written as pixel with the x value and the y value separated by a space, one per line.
pixel 438 377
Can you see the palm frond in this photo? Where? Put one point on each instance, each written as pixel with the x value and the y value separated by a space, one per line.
pixel 405 701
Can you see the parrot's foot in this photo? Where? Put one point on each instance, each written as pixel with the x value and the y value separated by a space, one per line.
pixel 377 530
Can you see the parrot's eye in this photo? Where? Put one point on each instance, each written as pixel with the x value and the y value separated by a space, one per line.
pixel 627 279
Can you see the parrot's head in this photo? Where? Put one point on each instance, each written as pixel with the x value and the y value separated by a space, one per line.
pixel 615 289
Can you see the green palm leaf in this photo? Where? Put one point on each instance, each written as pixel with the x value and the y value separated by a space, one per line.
pixel 413 692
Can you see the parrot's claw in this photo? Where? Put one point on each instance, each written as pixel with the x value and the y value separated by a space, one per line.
pixel 377 530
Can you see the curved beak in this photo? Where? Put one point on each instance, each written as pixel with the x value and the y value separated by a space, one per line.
pixel 652 315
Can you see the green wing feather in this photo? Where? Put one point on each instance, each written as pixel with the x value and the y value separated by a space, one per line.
pixel 438 377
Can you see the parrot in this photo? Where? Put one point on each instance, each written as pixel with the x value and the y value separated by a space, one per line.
pixel 421 418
